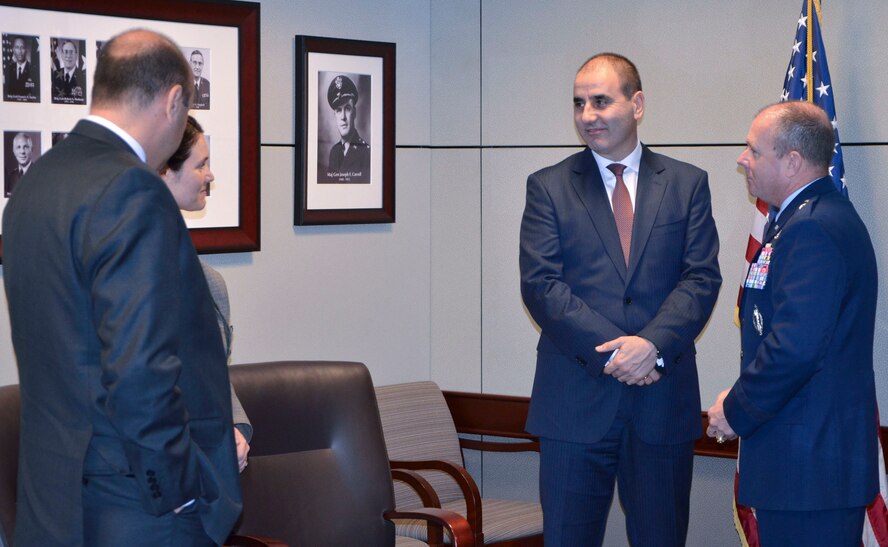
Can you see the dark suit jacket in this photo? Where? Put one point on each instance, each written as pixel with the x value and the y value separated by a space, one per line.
pixel 805 402
pixel 24 85
pixel 120 358
pixel 575 284
pixel 202 95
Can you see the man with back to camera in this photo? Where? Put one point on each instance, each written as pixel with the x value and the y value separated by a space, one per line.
pixel 22 148
pixel 350 157
pixel 69 81
pixel 619 268
pixel 805 401
pixel 201 100
pixel 126 414
pixel 20 78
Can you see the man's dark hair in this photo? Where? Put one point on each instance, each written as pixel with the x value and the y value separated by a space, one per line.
pixel 193 130
pixel 196 52
pixel 629 78
pixel 139 72
pixel 805 128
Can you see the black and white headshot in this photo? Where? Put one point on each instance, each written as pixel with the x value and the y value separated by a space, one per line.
pixel 21 68
pixel 68 71
pixel 341 120
pixel 199 59
pixel 21 149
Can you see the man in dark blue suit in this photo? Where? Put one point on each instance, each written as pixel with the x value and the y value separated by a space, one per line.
pixel 805 403
pixel 619 269
pixel 127 434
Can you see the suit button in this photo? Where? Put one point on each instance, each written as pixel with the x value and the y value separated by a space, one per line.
pixel 627 300
pixel 150 472
pixel 580 361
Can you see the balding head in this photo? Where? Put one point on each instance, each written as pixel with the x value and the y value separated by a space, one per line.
pixel 143 85
pixel 136 67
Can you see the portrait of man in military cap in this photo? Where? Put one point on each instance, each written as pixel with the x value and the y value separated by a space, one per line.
pixel 349 158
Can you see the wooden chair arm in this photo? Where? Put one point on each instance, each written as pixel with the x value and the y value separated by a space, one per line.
pixel 462 478
pixel 458 527
pixel 420 485
pixel 235 540
pixel 493 446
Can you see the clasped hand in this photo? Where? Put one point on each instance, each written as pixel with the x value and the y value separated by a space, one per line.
pixel 719 428
pixel 634 363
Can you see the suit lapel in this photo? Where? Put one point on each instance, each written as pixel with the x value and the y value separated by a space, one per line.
pixel 588 185
pixel 649 193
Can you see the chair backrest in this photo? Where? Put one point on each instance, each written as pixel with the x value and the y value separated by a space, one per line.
pixel 10 413
pixel 318 473
pixel 418 426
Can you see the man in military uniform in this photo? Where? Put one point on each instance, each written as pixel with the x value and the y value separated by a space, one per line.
pixel 805 402
pixel 201 98
pixel 69 81
pixel 20 77
pixel 22 148
pixel 350 157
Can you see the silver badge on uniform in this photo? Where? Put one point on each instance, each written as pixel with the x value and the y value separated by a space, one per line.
pixel 757 322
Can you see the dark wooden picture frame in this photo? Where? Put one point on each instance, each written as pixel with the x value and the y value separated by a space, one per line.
pixel 244 18
pixel 329 71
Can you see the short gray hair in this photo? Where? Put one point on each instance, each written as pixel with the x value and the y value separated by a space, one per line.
pixel 805 128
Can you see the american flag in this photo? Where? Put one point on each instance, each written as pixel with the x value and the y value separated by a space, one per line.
pixel 807 79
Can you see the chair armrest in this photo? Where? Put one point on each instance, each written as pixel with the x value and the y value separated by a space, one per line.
pixel 235 540
pixel 420 485
pixel 462 478
pixel 493 446
pixel 460 531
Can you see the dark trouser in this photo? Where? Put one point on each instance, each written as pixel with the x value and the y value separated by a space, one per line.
pixel 113 516
pixel 836 528
pixel 577 487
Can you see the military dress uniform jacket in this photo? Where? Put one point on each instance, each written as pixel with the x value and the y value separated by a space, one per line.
pixel 805 404
pixel 353 164
pixel 73 90
pixel 20 85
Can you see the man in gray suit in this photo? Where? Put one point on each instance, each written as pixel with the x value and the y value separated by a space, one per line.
pixel 619 269
pixel 126 414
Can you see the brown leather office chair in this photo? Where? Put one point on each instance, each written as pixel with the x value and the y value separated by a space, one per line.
pixel 10 411
pixel 318 472
pixel 420 435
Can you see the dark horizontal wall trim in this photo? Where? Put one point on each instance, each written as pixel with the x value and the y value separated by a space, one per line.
pixel 578 146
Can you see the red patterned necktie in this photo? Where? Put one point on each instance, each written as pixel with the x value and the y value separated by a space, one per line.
pixel 623 212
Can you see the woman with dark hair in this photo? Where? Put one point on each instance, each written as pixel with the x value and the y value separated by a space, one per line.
pixel 188 176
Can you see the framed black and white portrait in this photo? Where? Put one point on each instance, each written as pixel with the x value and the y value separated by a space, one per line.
pixel 345 142
pixel 57 44
pixel 21 68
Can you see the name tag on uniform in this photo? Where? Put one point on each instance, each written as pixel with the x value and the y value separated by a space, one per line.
pixel 758 272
